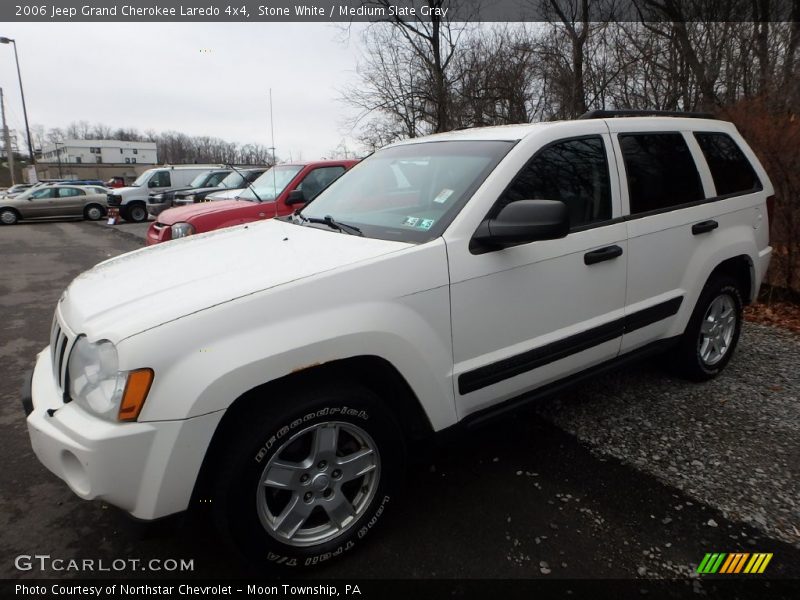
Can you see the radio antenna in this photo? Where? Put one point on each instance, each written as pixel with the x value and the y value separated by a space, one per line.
pixel 272 134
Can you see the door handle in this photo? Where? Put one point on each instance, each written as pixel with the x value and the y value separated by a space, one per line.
pixel 704 227
pixel 607 253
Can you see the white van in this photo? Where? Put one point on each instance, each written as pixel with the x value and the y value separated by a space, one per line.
pixel 132 200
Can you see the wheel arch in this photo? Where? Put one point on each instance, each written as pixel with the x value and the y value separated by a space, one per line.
pixel 741 269
pixel 376 373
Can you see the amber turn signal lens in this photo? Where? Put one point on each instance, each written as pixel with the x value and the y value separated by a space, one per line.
pixel 133 397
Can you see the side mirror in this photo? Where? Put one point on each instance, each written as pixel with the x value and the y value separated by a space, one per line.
pixel 295 197
pixel 152 183
pixel 524 221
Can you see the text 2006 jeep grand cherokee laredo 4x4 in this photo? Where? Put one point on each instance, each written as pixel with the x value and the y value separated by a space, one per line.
pixel 282 369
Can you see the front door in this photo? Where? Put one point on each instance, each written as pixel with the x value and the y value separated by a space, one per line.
pixel 528 315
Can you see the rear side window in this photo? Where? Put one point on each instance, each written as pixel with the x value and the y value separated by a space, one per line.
pixel 660 170
pixel 69 192
pixel 574 171
pixel 730 169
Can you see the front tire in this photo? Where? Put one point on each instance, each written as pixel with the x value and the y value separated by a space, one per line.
pixel 308 478
pixel 713 331
pixel 137 213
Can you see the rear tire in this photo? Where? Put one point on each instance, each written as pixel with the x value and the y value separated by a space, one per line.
pixel 308 478
pixel 93 212
pixel 8 216
pixel 713 331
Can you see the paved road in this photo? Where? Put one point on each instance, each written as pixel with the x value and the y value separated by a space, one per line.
pixel 517 498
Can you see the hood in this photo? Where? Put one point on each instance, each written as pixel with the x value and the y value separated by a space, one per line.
pixel 143 289
pixel 129 190
pixel 182 214
pixel 202 190
pixel 229 193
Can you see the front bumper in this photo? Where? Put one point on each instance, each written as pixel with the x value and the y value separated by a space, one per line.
pixel 764 257
pixel 158 232
pixel 147 469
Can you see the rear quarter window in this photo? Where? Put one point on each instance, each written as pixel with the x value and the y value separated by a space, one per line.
pixel 730 169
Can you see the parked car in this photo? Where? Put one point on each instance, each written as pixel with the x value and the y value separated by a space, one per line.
pixel 236 180
pixel 276 373
pixel 15 190
pixel 277 192
pixel 55 201
pixel 131 201
pixel 158 203
pixel 85 182
pixel 116 182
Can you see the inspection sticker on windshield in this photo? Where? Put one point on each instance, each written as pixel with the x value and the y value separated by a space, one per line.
pixel 426 224
pixel 442 197
pixel 411 221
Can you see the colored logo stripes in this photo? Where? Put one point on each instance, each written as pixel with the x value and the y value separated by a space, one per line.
pixel 734 562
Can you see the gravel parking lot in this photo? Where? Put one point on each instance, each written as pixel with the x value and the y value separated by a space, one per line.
pixel 731 443
pixel 634 475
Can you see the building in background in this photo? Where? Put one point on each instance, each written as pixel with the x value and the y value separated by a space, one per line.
pixel 100 152
pixel 95 159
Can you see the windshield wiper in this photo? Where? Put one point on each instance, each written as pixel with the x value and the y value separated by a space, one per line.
pixel 249 185
pixel 330 222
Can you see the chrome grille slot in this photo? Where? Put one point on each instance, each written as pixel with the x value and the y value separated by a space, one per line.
pixel 55 335
pixel 60 346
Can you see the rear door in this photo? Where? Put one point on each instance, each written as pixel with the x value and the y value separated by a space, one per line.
pixel 665 195
pixel 69 202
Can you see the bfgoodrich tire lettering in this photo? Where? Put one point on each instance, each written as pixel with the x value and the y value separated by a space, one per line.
pixel 713 330
pixel 309 478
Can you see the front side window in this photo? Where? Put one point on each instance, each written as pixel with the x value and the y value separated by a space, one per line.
pixel 660 170
pixel 408 193
pixel 318 179
pixel 160 179
pixel 730 169
pixel 43 193
pixel 573 171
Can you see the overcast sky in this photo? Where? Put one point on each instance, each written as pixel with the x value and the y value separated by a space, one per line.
pixel 199 79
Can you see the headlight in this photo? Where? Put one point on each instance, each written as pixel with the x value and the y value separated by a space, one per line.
pixel 189 197
pixel 98 386
pixel 180 230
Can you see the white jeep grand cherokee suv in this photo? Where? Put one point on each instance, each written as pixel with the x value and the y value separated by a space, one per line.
pixel 281 370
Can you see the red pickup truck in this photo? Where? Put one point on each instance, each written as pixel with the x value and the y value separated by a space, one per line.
pixel 277 192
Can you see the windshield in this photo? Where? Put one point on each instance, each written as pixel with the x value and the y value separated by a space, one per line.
pixel 271 183
pixel 142 179
pixel 233 181
pixel 200 180
pixel 409 193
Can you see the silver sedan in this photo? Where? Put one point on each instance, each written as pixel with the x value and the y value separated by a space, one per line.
pixel 84 201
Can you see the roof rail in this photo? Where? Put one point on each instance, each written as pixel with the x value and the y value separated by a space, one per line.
pixel 607 114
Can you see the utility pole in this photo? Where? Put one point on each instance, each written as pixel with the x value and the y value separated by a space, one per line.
pixel 7 139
